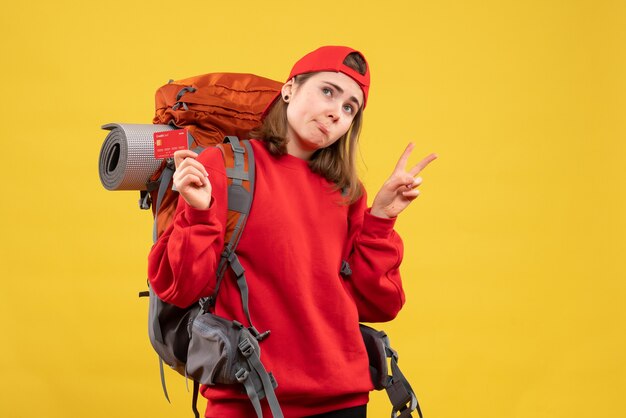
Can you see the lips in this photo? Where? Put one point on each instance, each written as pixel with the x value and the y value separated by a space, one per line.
pixel 322 128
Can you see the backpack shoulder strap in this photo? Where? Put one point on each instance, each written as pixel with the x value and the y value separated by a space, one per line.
pixel 240 171
pixel 239 164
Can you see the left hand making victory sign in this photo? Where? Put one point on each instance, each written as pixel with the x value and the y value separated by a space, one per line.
pixel 400 189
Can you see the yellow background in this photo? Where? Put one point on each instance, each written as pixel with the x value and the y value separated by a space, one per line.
pixel 512 269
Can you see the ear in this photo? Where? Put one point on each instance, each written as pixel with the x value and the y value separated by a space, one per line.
pixel 287 89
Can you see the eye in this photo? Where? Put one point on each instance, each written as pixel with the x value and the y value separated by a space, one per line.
pixel 348 108
pixel 326 91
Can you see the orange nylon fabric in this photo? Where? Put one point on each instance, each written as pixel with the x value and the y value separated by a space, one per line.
pixel 223 104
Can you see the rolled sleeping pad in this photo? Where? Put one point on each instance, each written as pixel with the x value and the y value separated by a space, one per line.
pixel 127 155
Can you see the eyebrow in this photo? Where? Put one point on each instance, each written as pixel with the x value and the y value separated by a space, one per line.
pixel 340 90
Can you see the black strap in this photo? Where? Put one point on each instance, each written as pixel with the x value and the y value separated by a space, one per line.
pixel 164 181
pixel 399 391
pixel 163 385
pixel 194 399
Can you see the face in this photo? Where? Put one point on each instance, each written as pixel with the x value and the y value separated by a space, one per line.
pixel 320 111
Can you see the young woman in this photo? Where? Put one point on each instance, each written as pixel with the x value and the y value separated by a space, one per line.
pixel 309 220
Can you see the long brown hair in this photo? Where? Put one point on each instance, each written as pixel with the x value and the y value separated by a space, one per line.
pixel 336 163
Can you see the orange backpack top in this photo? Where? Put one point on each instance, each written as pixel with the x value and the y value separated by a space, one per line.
pixel 210 107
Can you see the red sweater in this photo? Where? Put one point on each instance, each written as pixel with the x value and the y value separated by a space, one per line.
pixel 292 249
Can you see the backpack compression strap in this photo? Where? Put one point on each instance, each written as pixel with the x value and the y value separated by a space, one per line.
pixel 258 372
pixel 398 389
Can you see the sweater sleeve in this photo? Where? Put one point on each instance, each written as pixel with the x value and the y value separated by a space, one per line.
pixel 183 261
pixel 374 258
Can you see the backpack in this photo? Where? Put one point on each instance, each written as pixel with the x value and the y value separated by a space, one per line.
pixel 193 341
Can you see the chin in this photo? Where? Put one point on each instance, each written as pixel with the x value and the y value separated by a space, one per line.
pixel 315 142
pixel 322 144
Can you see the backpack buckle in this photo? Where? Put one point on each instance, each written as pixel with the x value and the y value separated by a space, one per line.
pixel 241 375
pixel 246 347
pixel 226 253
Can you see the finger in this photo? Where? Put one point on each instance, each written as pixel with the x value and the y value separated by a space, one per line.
pixel 180 155
pixel 196 170
pixel 399 181
pixel 411 194
pixel 422 164
pixel 191 180
pixel 404 157
pixel 192 163
pixel 415 183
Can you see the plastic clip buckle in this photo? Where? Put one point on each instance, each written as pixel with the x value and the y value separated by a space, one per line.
pixel 246 347
pixel 241 375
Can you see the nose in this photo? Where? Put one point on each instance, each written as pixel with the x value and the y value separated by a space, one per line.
pixel 333 113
